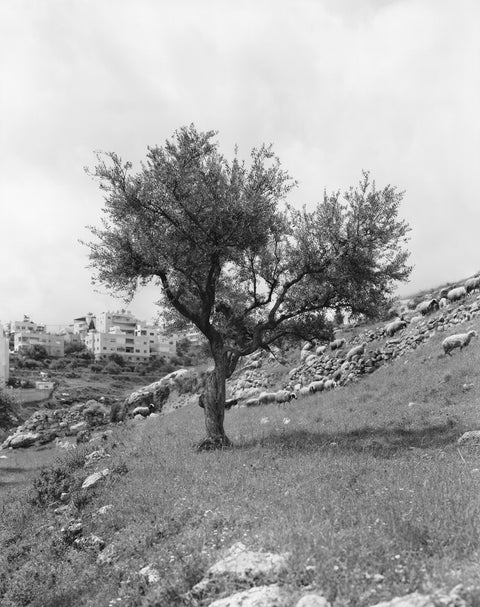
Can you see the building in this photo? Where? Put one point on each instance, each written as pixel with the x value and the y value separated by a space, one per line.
pixel 124 320
pixel 4 358
pixel 84 324
pixel 133 348
pixel 26 325
pixel 54 344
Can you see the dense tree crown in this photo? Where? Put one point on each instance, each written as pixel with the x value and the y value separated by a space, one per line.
pixel 231 256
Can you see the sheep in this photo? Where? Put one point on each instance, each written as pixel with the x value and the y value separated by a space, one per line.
pixel 460 340
pixel 305 391
pixel 337 343
pixel 320 350
pixel 457 293
pixel 415 319
pixel 143 411
pixel 330 384
pixel 443 303
pixel 252 402
pixel 284 396
pixel 356 351
pixel 472 284
pixel 444 292
pixel 427 306
pixel 267 397
pixel 315 386
pixel 395 326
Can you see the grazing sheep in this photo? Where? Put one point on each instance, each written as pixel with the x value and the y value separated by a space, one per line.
pixel 267 397
pixel 457 293
pixel 443 303
pixel 427 307
pixel 460 340
pixel 315 386
pixel 357 350
pixel 472 284
pixel 305 391
pixel 284 396
pixel 395 326
pixel 143 411
pixel 252 402
pixel 330 384
pixel 320 350
pixel 337 343
pixel 307 346
pixel 444 292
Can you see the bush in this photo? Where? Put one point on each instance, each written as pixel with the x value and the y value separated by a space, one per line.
pixel 30 363
pixel 117 358
pixel 56 365
pixel 113 368
pixel 75 348
pixel 96 368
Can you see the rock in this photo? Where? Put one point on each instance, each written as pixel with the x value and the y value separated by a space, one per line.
pixel 92 542
pixel 472 437
pixel 76 428
pixel 95 456
pixel 25 439
pixel 241 565
pixel 103 510
pixel 313 600
pixel 94 478
pixel 263 596
pixel 410 600
pixel 151 574
pixel 108 556
pixel 71 531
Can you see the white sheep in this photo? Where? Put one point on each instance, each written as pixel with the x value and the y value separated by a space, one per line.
pixel 472 284
pixel 443 303
pixel 315 386
pixel 427 306
pixel 357 350
pixel 143 411
pixel 460 340
pixel 330 384
pixel 337 343
pixel 395 326
pixel 267 397
pixel 457 293
pixel 252 402
pixel 320 350
pixel 415 319
pixel 284 396
pixel 304 391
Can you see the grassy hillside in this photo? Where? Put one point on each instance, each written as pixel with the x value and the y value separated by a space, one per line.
pixel 364 486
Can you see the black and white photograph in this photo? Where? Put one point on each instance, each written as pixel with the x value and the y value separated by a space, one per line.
pixel 239 303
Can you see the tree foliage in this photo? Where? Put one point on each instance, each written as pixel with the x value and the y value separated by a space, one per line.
pixel 232 257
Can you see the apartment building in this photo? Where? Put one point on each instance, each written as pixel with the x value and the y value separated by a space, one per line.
pixel 122 319
pixel 54 344
pixel 133 348
pixel 83 324
pixel 4 358
pixel 26 325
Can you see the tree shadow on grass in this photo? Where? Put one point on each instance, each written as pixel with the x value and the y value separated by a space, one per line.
pixel 379 441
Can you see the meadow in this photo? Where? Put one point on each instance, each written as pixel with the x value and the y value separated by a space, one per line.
pixel 365 487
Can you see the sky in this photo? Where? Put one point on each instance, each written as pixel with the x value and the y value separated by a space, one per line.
pixel 337 86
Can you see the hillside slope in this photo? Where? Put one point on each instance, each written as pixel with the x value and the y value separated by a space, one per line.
pixel 365 487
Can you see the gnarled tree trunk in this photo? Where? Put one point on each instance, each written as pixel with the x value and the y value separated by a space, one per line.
pixel 213 401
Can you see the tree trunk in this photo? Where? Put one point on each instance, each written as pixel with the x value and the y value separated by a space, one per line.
pixel 213 402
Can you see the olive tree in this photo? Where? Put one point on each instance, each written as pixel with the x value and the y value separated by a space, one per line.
pixel 231 256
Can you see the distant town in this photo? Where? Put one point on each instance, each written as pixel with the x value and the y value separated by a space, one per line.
pixel 119 333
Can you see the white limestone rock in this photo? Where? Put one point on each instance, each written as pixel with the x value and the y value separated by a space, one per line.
pixel 263 596
pixel 94 478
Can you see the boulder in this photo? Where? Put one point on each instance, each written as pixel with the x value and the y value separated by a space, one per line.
pixel 23 439
pixel 263 596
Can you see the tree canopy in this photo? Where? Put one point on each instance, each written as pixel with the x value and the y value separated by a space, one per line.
pixel 231 256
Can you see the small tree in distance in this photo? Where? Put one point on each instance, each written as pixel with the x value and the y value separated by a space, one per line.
pixel 231 257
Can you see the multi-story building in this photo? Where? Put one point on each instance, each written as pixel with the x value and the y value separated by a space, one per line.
pixel 134 348
pixel 53 343
pixel 124 320
pixel 26 325
pixel 83 324
pixel 4 358
pixel 159 343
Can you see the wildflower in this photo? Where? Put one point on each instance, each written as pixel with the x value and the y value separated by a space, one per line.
pixel 286 421
pixel 264 420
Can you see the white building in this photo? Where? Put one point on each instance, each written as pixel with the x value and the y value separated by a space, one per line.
pixel 123 319
pixel 133 348
pixel 4 358
pixel 54 344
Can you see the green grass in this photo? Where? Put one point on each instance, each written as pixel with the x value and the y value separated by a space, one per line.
pixel 365 487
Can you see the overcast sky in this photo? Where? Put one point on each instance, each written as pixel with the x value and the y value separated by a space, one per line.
pixel 391 86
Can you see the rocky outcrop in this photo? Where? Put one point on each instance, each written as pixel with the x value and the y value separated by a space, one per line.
pixel 46 425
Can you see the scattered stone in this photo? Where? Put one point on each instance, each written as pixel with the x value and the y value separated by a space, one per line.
pixel 263 596
pixel 65 496
pixel 71 531
pixel 472 437
pixel 94 478
pixel 95 456
pixel 313 600
pixel 151 574
pixel 92 542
